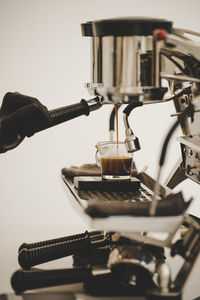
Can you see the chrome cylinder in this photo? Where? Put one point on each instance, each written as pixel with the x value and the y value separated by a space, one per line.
pixel 124 68
pixel 125 58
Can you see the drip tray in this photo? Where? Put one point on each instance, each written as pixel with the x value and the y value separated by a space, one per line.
pixel 81 199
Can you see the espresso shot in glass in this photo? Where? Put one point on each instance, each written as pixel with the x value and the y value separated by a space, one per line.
pixel 114 160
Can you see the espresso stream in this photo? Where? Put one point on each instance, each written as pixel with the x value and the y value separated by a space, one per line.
pixel 116 165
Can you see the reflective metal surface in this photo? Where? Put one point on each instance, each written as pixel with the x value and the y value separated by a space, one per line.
pixel 123 68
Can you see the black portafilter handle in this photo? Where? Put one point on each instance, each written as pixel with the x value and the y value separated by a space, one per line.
pixel 36 256
pixel 69 112
pixel 22 281
pixel 57 240
pixel 50 242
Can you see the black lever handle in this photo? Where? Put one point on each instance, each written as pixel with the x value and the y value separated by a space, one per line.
pixel 69 112
pixel 58 240
pixel 27 280
pixel 63 114
pixel 32 257
pixel 50 242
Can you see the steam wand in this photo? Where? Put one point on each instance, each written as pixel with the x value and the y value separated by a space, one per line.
pixel 131 141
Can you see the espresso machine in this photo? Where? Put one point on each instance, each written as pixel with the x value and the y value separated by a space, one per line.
pixel 142 228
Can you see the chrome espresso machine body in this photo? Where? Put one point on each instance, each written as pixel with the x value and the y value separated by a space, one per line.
pixel 142 60
pixel 139 61
pixel 125 59
pixel 147 61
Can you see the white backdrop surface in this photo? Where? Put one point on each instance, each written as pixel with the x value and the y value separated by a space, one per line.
pixel 43 54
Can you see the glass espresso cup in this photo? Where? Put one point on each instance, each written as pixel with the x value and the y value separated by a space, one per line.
pixel 114 160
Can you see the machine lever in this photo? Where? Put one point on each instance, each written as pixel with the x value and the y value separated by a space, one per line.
pixel 22 281
pixel 69 112
pixel 57 240
pixel 35 256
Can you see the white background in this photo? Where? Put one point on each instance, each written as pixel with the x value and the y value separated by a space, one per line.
pixel 43 54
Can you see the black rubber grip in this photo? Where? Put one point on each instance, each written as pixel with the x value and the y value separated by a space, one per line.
pixel 63 114
pixel 33 257
pixel 52 241
pixel 69 112
pixel 22 281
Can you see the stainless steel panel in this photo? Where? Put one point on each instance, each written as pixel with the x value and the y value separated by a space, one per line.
pixel 122 65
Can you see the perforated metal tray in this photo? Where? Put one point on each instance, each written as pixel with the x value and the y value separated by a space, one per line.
pixel 124 223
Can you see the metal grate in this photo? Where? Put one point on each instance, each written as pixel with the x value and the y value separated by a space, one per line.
pixel 142 194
